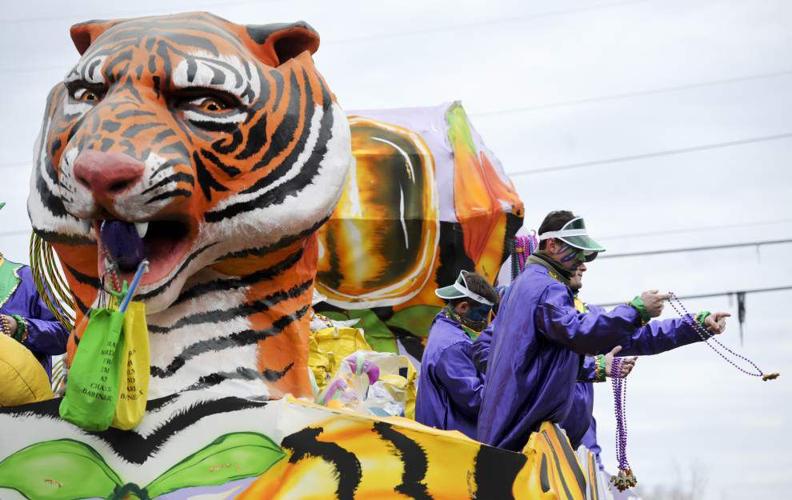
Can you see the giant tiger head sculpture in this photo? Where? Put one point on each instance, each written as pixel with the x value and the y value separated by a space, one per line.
pixel 226 149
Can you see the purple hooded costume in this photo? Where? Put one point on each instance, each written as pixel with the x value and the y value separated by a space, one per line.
pixel 19 298
pixel 450 386
pixel 653 338
pixel 535 358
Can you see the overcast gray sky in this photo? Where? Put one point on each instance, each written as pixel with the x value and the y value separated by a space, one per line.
pixel 703 87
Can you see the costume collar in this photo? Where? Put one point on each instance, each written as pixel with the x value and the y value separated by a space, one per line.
pixel 454 317
pixel 9 280
pixel 553 267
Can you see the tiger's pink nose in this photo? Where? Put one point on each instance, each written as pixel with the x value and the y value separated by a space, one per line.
pixel 107 174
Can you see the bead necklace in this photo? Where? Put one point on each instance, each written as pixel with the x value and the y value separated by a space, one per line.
pixel 625 478
pixel 522 248
pixel 720 349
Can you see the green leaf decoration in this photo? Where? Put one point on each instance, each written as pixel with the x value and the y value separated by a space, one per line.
pixel 459 129
pixel 377 334
pixel 230 457
pixel 415 319
pixel 62 468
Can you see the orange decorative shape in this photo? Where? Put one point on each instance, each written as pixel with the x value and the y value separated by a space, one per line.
pixel 482 197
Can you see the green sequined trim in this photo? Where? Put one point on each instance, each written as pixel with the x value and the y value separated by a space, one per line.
pixel 21 329
pixel 601 368
pixel 9 280
pixel 702 316
pixel 638 304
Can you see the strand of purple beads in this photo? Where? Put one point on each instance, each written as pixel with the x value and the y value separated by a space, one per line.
pixel 710 340
pixel 620 407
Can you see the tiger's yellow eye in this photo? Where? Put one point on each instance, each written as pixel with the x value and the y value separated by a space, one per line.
pixel 209 104
pixel 86 95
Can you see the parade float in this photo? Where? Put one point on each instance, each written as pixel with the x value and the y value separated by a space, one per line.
pixel 194 181
pixel 447 205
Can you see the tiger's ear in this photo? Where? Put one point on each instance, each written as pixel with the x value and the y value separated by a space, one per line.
pixel 279 42
pixel 84 34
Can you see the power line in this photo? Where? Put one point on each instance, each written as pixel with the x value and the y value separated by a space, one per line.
pixel 695 249
pixel 637 93
pixel 378 36
pixel 721 294
pixel 132 12
pixel 694 229
pixel 654 154
pixel 490 22
pixel 436 29
pixel 716 294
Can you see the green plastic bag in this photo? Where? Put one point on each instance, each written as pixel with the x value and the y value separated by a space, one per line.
pixel 92 385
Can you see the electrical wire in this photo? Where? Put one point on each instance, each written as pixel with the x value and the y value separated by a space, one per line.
pixel 637 93
pixel 716 294
pixel 654 154
pixel 195 5
pixel 694 249
pixel 694 229
pixel 490 22
pixel 378 36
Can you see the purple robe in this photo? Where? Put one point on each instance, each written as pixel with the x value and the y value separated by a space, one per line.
pixel 481 348
pixel 450 386
pixel 589 439
pixel 576 423
pixel 580 425
pixel 46 337
pixel 581 412
pixel 535 358
pixel 653 338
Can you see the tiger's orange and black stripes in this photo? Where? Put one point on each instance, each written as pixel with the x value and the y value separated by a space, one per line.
pixel 226 147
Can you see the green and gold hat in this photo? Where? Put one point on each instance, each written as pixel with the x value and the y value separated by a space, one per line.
pixel 574 234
